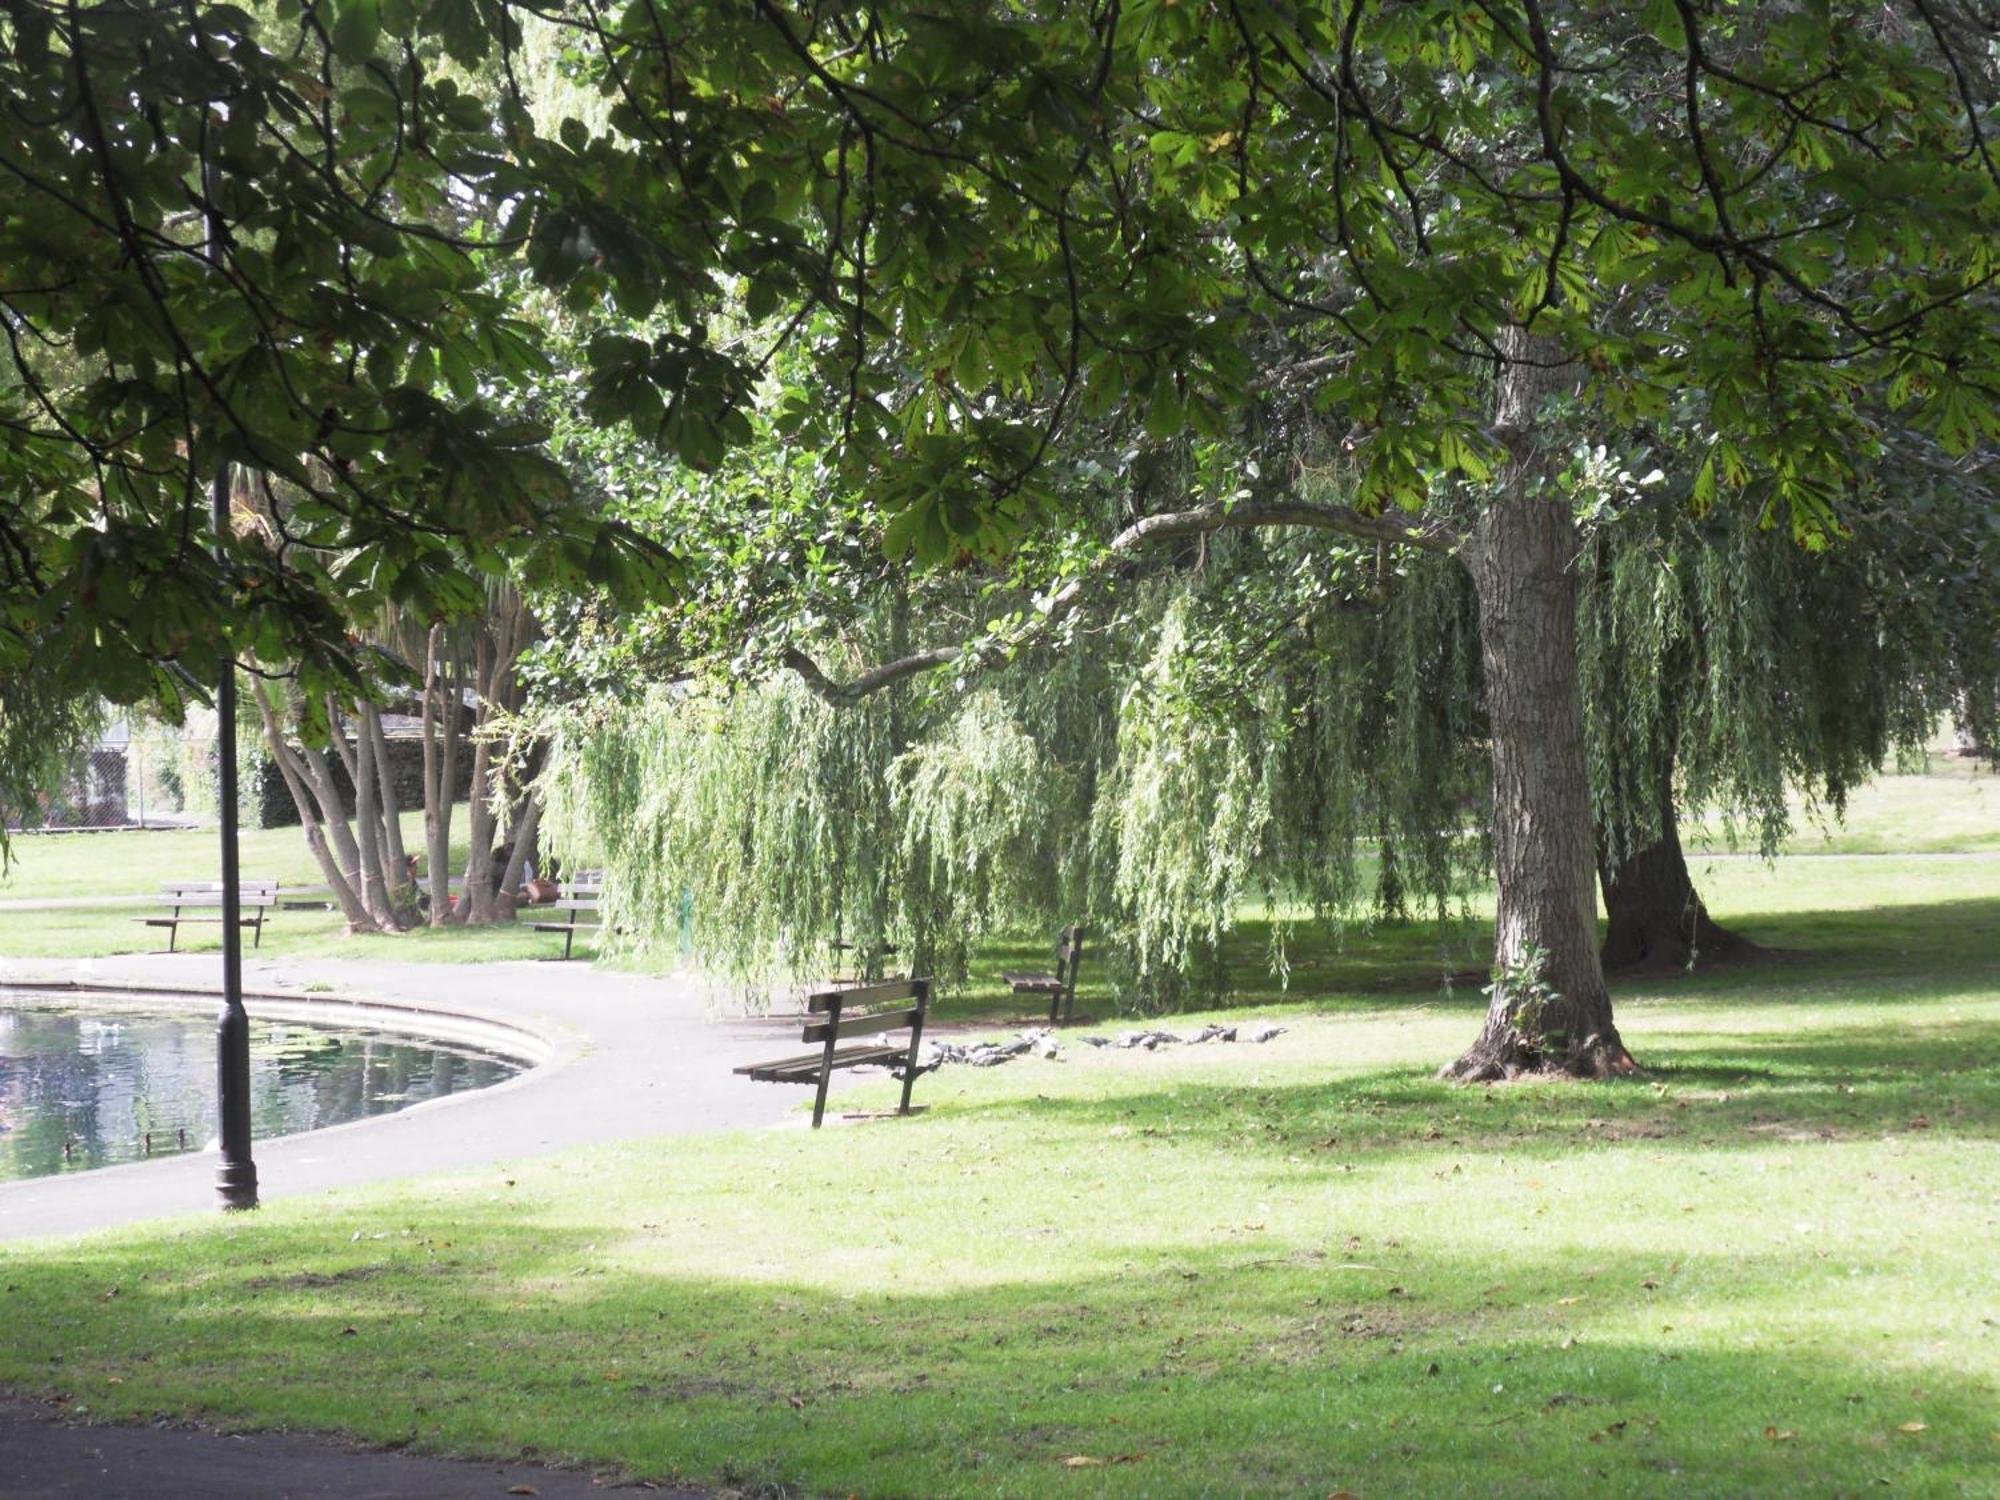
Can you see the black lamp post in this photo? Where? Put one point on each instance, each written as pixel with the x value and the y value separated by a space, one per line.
pixel 236 1177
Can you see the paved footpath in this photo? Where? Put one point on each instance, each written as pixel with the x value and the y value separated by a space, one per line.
pixel 43 1458
pixel 629 1056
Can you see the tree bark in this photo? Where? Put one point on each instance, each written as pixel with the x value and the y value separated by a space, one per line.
pixel 527 823
pixel 395 858
pixel 1657 919
pixel 1550 1010
pixel 288 765
pixel 475 900
pixel 367 823
pixel 440 772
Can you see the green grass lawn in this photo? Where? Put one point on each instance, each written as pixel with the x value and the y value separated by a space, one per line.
pixel 138 862
pixel 1953 805
pixel 1768 1268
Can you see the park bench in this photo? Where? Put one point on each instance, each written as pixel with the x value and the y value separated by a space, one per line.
pixel 190 901
pixel 867 1010
pixel 579 904
pixel 1060 986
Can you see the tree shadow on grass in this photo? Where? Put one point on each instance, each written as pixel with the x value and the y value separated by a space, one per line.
pixel 1702 1092
pixel 1183 1369
pixel 1915 951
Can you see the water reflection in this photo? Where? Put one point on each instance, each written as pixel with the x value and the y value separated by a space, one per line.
pixel 82 1089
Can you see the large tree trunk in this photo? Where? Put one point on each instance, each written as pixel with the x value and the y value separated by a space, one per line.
pixel 1550 1010
pixel 1657 919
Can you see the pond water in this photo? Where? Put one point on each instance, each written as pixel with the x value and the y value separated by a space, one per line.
pixel 85 1087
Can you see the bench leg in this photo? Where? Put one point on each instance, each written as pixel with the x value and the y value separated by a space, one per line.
pixel 916 1041
pixel 257 933
pixel 826 1065
pixel 173 932
pixel 1055 1002
pixel 569 938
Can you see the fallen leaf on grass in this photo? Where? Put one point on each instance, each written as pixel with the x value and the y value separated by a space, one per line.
pixel 1914 1427
pixel 1568 1301
pixel 1779 1434
pixel 1082 1461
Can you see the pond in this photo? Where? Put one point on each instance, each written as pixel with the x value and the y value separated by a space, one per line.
pixel 82 1086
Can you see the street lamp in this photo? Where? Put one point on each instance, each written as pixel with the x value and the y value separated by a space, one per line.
pixel 236 1177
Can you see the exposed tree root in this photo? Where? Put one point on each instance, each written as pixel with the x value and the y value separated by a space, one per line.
pixel 1512 1055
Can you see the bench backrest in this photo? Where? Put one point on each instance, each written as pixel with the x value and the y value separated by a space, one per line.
pixel 248 900
pixel 1069 956
pixel 214 887
pixel 864 1009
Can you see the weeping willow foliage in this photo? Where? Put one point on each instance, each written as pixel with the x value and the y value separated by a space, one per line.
pixel 1245 731
pixel 746 830
pixel 1723 665
pixel 1298 728
pixel 981 814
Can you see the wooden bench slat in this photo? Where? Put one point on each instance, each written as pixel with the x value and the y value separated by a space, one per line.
pixel 869 1025
pixel 193 921
pixel 804 1068
pixel 858 995
pixel 811 1074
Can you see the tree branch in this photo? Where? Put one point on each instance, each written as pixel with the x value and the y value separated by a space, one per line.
pixel 1400 530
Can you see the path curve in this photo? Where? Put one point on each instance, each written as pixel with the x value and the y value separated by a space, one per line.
pixel 628 1056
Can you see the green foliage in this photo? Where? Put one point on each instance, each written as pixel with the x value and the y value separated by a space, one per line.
pixel 42 735
pixel 1741 668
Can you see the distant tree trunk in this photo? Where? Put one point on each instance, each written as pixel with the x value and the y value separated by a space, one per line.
pixel 290 767
pixel 367 824
pixel 475 901
pixel 1520 555
pixel 318 776
pixel 527 822
pixel 395 859
pixel 441 709
pixel 1657 919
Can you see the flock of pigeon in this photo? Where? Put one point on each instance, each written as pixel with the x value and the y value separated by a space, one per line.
pixel 1043 1043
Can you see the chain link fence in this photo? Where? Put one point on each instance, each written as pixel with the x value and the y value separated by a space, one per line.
pixel 143 776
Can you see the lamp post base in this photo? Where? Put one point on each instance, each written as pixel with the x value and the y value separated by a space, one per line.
pixel 236 1186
